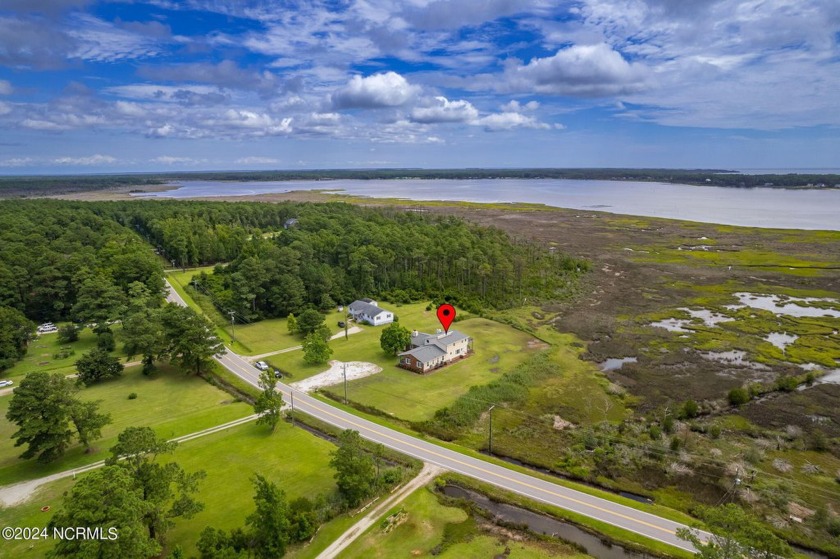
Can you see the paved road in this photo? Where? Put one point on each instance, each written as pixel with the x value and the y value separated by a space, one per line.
pixel 633 520
pixel 630 519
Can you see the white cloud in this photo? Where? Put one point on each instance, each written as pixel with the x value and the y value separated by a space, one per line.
pixel 515 106
pixel 5 108
pixel 579 70
pixel 17 162
pixel 101 41
pixel 387 89
pixel 508 121
pixel 260 123
pixel 256 160
pixel 174 160
pixel 40 124
pixel 728 63
pixel 5 87
pixel 97 159
pixel 443 110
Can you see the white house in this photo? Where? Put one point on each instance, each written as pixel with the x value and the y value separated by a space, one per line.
pixel 366 310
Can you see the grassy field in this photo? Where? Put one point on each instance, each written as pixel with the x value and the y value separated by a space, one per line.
pixel 272 334
pixel 291 457
pixel 427 524
pixel 43 351
pixel 409 396
pixel 170 401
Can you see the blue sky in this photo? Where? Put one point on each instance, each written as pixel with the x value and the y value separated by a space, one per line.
pixel 98 87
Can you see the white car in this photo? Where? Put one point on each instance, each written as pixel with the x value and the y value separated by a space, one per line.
pixel 261 365
pixel 4 383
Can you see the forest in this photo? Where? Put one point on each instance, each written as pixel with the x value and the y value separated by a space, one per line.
pixel 88 261
pixel 24 186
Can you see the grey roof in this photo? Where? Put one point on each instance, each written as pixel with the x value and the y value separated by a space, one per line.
pixel 423 339
pixel 365 308
pixel 425 353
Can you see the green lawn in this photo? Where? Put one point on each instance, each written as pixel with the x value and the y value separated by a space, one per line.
pixel 424 527
pixel 41 355
pixel 170 401
pixel 272 334
pixel 184 277
pixel 291 457
pixel 406 395
pixel 29 515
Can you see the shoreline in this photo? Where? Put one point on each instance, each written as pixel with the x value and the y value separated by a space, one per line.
pixel 330 195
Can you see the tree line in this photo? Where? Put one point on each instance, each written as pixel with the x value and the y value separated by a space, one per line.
pixel 337 253
pixel 49 185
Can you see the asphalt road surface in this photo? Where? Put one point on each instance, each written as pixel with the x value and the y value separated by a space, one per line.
pixel 632 520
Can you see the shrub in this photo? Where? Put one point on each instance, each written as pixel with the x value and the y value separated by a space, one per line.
pixel 690 409
pixel 786 384
pixel 738 396
pixel 391 476
pixel 655 432
pixel 106 341
pixel 714 431
pixel 132 396
pixel 833 527
pixel 68 333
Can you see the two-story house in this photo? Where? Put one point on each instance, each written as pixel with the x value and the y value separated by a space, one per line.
pixel 432 351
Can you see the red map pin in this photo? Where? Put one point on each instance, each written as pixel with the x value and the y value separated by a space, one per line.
pixel 446 314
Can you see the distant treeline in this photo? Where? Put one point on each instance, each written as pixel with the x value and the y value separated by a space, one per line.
pixel 334 253
pixel 87 261
pixel 51 185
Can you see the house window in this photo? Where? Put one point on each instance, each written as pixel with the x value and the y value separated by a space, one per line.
pixel 407 360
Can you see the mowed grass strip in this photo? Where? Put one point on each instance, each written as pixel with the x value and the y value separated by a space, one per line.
pixel 170 401
pixel 291 457
pixel 428 523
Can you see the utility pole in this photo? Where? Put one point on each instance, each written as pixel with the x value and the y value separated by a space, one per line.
pixel 232 328
pixel 345 384
pixel 346 325
pixel 490 441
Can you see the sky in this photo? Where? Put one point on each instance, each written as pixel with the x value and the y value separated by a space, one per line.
pixel 186 85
